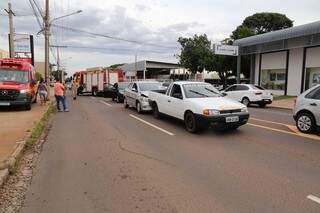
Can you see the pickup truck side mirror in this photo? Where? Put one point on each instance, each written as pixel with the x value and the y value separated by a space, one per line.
pixel 177 95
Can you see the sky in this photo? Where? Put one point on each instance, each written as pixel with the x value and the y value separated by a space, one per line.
pixel 151 26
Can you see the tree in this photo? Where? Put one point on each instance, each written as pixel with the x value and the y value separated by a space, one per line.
pixel 260 23
pixel 195 53
pixel 115 66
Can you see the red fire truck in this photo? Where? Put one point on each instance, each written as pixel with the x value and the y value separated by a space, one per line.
pixel 93 80
pixel 18 86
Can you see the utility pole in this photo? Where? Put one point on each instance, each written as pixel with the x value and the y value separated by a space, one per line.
pixel 46 37
pixel 11 36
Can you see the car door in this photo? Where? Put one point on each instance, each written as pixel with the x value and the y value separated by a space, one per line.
pixel 229 92
pixel 240 92
pixel 134 94
pixel 312 102
pixel 175 101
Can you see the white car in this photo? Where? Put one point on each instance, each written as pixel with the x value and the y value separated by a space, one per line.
pixel 249 94
pixel 199 105
pixel 306 111
pixel 136 94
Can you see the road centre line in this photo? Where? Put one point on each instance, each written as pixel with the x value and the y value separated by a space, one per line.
pixel 313 137
pixel 105 103
pixel 314 198
pixel 152 125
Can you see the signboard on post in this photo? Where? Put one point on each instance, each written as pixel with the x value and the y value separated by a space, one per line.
pixel 23 47
pixel 22 43
pixel 222 49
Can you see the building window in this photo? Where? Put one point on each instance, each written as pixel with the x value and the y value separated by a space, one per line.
pixel 273 79
pixel 312 77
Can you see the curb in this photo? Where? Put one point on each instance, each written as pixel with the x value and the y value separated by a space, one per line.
pixel 276 107
pixel 16 154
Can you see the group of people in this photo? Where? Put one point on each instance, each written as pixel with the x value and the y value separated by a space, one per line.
pixel 59 93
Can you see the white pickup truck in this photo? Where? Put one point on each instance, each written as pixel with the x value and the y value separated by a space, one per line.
pixel 199 105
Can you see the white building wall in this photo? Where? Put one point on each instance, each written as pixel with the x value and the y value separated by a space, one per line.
pixel 313 57
pixel 295 71
pixel 256 70
pixel 275 60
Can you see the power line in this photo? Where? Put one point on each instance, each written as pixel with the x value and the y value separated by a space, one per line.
pixel 114 38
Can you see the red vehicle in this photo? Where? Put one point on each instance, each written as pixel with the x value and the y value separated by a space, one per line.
pixel 93 80
pixel 18 86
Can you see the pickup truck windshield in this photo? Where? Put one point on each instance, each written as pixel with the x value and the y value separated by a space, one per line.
pixel 13 76
pixel 200 91
pixel 150 86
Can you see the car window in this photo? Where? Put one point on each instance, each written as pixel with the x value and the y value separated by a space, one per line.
pixel 232 88
pixel 256 87
pixel 176 91
pixel 200 90
pixel 169 89
pixel 241 88
pixel 135 87
pixel 314 94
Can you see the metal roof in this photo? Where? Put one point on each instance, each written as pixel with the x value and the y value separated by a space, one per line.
pixel 292 32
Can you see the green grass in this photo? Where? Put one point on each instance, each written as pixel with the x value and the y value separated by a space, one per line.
pixel 282 97
pixel 39 128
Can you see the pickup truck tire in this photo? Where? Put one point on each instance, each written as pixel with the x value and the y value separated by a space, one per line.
pixel 155 111
pixel 138 107
pixel 191 122
pixel 305 122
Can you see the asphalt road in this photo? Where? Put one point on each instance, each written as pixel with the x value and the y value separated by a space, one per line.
pixel 100 157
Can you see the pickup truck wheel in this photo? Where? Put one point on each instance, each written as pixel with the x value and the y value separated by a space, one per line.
pixel 305 122
pixel 155 110
pixel 245 101
pixel 125 104
pixel 138 106
pixel 190 122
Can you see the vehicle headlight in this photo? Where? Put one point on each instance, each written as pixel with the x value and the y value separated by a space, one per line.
pixel 244 109
pixel 25 91
pixel 210 112
pixel 144 99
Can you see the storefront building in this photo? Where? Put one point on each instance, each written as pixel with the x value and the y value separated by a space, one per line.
pixel 285 61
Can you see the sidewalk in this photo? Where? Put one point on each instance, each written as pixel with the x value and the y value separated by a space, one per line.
pixel 284 103
pixel 15 126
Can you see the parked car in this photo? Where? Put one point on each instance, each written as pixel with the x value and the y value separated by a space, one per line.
pixel 18 85
pixel 199 105
pixel 136 94
pixel 249 94
pixel 306 111
pixel 116 91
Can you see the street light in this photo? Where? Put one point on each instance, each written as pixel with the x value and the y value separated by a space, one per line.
pixel 74 13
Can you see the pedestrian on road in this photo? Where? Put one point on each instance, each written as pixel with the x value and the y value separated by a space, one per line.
pixel 74 89
pixel 43 92
pixel 59 91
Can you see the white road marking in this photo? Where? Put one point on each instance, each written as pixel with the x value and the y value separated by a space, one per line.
pixel 152 125
pixel 314 198
pixel 109 105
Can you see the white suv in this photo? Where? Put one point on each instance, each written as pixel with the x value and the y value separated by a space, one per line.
pixel 306 111
pixel 249 94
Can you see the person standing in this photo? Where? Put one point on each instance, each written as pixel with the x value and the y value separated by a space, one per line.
pixel 59 91
pixel 74 89
pixel 43 92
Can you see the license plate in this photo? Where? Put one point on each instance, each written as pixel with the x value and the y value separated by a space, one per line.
pixel 4 104
pixel 232 119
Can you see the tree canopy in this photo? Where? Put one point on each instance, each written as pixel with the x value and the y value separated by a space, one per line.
pixel 260 23
pixel 195 53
